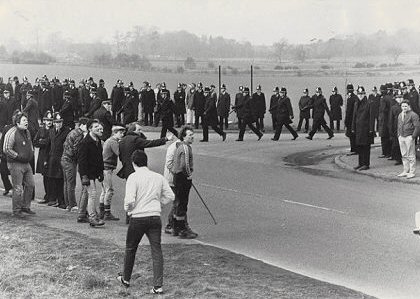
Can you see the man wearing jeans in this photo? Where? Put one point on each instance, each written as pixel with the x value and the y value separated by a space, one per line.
pixel 69 162
pixel 19 152
pixel 91 170
pixel 110 154
pixel 144 193
pixel 408 131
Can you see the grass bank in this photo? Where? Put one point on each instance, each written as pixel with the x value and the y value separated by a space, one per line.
pixel 38 261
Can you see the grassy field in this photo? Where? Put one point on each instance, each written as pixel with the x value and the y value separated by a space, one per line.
pixel 43 262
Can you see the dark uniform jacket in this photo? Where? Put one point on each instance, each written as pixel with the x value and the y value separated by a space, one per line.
pixel 102 93
pixel 166 112
pixel 413 98
pixel 336 101
pixel 42 141
pixel 148 100
pixel 304 107
pixel 117 97
pixel 32 110
pixel 135 94
pixel 95 104
pixel 57 97
pixel 128 145
pixel 179 98
pixel 349 110
pixel 90 158
pixel 273 102
pixel 4 115
pixel 258 105
pixel 84 99
pixel 374 102
pixel 210 111
pixel 383 120
pixel 57 139
pixel 394 111
pixel 11 105
pixel 363 122
pixel 45 100
pixel 319 106
pixel 223 105
pixel 3 159
pixel 24 87
pixel 198 104
pixel 67 113
pixel 105 117
pixel 243 109
pixel 129 109
pixel 283 110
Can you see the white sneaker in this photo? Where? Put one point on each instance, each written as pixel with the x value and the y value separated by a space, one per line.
pixel 410 175
pixel 74 209
pixel 402 174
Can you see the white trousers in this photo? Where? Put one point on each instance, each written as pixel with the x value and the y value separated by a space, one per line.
pixel 190 116
pixel 408 153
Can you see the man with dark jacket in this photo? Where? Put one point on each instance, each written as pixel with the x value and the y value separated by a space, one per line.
pixel 4 171
pixel 11 105
pixel 128 109
pixel 362 129
pixel 336 102
pixel 258 107
pixel 394 112
pixel 238 101
pixel 45 99
pixel 319 106
pixel 101 90
pixel 91 170
pixel 166 112
pixel 83 99
pixel 374 100
pixel 198 105
pixel 189 102
pixel 284 115
pixel 179 98
pixel 351 99
pixel 103 114
pixel 383 121
pixel 117 97
pixel 148 102
pixel 245 117
pixel 20 152
pixel 136 100
pixel 223 107
pixel 273 102
pixel 67 112
pixel 95 103
pixel 24 88
pixel 210 117
pixel 304 110
pixel 413 97
pixel 32 110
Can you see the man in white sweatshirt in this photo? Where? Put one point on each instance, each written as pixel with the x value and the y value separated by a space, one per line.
pixel 145 192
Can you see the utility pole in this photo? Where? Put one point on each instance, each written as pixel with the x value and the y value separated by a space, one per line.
pixel 252 79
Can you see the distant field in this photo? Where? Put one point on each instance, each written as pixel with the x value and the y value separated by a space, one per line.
pixel 294 84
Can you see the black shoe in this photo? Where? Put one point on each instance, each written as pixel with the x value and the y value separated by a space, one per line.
pixel 364 167
pixel 82 219
pixel 28 211
pixel 52 203
pixel 357 167
pixel 294 137
pixel 309 137
pixel 239 139
pixel 110 217
pixel 64 207
pixel 156 290
pixel 56 205
pixel 382 156
pixel 19 215
pixel 187 234
pixel 168 229
pixel 120 278
pixel 351 154
pixel 416 231
pixel 6 192
pixel 94 222
pixel 274 139
pixel 398 163
pixel 224 136
pixel 204 140
pixel 331 136
pixel 260 136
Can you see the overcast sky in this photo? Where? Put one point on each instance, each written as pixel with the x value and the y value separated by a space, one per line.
pixel 260 22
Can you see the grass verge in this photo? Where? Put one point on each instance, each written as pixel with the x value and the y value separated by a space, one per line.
pixel 38 261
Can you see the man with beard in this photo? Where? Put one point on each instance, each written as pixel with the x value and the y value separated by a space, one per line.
pixel 32 110
pixel 198 105
pixel 117 98
pixel 166 112
pixel 319 106
pixel 362 129
pixel 245 117
pixel 273 102
pixel 351 99
pixel 148 102
pixel 304 111
pixel 374 100
pixel 258 107
pixel 284 115
pixel 179 98
pixel 190 104
pixel 223 107
pixel 210 116
pixel 103 114
pixel 336 102
pixel 383 121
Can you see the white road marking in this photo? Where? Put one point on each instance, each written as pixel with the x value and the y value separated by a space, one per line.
pixel 262 196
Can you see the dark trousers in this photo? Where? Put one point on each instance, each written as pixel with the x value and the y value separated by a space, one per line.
pixel 157 119
pixel 386 146
pixel 206 130
pixel 182 192
pixel 260 123
pixel 171 214
pixel 148 119
pixel 180 119
pixel 56 190
pixel 223 120
pixel 318 123
pixel 45 182
pixel 273 121
pixel 151 226
pixel 332 124
pixel 170 129
pixel 279 128
pixel 243 127
pixel 364 154
pixel 301 119
pixel 395 150
pixel 197 120
pixel 6 181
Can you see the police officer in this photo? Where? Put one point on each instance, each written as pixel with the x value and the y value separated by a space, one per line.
pixel 351 99
pixel 284 115
pixel 319 106
pixel 259 107
pixel 245 117
pixel 304 110
pixel 223 107
pixel 336 102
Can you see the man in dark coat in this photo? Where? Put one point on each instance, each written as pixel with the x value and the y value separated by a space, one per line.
pixel 258 107
pixel 11 105
pixel 198 105
pixel 351 99
pixel 383 121
pixel 117 97
pixel 128 109
pixel 394 112
pixel 74 95
pixel 180 110
pixel 4 171
pixel 374 100
pixel 45 99
pixel 4 114
pixel 57 94
pixel 57 136
pixel 148 102
pixel 166 112
pixel 101 90
pixel 134 140
pixel 362 129
pixel 32 110
pixel 103 114
pixel 245 117
pixel 67 112
pixel 273 102
pixel 24 88
pixel 284 115
pixel 136 100
pixel 238 102
pixel 304 110
pixel 336 102
pixel 83 99
pixel 319 106
pixel 42 141
pixel 223 107
pixel 413 97
pixel 95 103
pixel 210 117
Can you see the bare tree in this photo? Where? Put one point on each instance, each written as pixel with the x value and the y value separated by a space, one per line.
pixel 395 52
pixel 279 48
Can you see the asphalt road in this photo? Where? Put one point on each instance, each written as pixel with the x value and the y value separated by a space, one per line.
pixel 286 203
